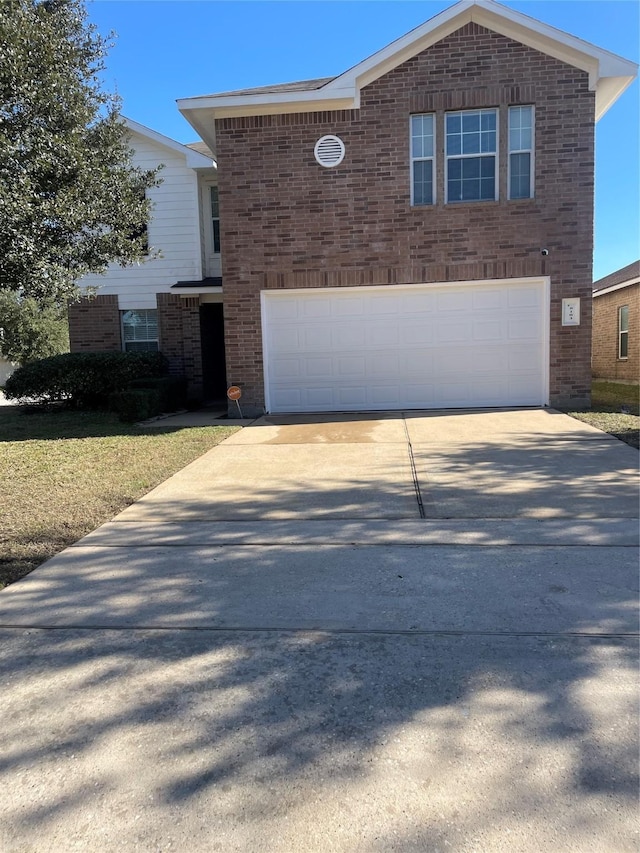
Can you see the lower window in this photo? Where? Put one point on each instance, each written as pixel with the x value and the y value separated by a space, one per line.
pixel 140 330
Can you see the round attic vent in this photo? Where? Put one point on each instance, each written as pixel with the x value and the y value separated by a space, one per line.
pixel 329 151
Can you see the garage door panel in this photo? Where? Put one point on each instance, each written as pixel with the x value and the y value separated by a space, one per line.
pixel 524 328
pixel 385 396
pixel 382 334
pixel 488 330
pixel 313 338
pixel 285 309
pixel 288 339
pixel 383 366
pixel 420 395
pixel 352 395
pixel 524 297
pixel 420 303
pixel 488 300
pixel 454 300
pixel 317 399
pixel 415 333
pixel 348 337
pixel 317 368
pixel 351 366
pixel 287 368
pixel 383 305
pixel 316 308
pixel 443 346
pixel 348 306
pixel 453 331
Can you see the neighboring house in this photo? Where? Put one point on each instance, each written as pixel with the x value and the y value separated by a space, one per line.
pixel 6 369
pixel 616 325
pixel 173 301
pixel 415 232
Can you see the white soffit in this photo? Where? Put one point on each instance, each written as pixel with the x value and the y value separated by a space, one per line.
pixel 609 74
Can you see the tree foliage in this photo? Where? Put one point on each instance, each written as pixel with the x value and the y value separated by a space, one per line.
pixel 70 199
pixel 29 329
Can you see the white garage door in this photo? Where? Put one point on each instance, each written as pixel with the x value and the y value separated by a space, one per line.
pixel 406 346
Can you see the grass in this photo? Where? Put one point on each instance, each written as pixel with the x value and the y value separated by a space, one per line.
pixel 614 409
pixel 64 473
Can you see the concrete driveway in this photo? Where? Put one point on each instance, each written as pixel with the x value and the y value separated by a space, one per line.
pixel 339 634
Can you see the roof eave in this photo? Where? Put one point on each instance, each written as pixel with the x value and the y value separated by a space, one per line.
pixel 194 159
pixel 609 75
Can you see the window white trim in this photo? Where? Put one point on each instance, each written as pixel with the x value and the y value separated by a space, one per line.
pixel 139 332
pixel 475 156
pixel 432 158
pixel 622 332
pixel 530 151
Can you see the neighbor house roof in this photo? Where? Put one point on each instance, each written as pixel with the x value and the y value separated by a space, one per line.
pixel 617 280
pixel 196 158
pixel 201 147
pixel 609 74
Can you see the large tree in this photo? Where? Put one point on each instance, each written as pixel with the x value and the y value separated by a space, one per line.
pixel 70 199
pixel 31 329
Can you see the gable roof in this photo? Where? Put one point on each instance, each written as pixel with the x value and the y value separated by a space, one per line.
pixel 609 75
pixel 617 280
pixel 201 148
pixel 196 158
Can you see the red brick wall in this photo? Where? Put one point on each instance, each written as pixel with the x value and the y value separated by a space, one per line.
pixel 94 324
pixel 606 364
pixel 179 334
pixel 287 222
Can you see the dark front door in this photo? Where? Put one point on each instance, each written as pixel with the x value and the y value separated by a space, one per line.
pixel 214 373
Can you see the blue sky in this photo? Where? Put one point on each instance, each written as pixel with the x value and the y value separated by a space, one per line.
pixel 168 49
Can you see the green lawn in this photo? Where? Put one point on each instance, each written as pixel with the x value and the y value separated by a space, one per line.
pixel 614 409
pixel 64 473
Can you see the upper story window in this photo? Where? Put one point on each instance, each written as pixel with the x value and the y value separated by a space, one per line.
pixel 623 331
pixel 521 152
pixel 471 148
pixel 215 218
pixel 422 159
pixel 140 330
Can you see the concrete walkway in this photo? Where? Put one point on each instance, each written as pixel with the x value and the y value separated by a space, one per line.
pixel 355 633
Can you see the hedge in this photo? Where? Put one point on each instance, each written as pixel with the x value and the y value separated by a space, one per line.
pixel 135 404
pixel 82 379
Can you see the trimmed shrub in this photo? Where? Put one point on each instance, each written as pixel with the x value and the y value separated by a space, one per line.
pixel 172 390
pixel 82 379
pixel 135 404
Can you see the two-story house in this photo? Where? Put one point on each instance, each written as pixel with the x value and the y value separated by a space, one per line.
pixel 172 301
pixel 416 232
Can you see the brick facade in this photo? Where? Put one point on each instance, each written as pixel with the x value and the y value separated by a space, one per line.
pixel 287 222
pixel 605 363
pixel 94 324
pixel 179 338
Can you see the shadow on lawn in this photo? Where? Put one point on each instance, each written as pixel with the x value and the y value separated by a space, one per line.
pixel 29 423
pixel 326 738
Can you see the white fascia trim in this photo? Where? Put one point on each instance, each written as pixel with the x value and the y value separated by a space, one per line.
pixel 195 160
pixel 614 287
pixel 275 103
pixel 602 66
pixel 609 74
